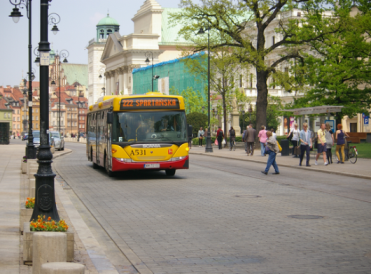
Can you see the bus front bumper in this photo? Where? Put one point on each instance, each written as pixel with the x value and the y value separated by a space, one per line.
pixel 122 166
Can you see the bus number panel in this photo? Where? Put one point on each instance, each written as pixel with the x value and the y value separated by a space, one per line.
pixel 149 103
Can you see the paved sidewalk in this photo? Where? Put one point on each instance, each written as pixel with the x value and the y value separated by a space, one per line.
pixel 12 195
pixel 360 169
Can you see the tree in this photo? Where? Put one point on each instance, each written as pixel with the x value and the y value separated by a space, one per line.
pixel 273 112
pixel 194 101
pixel 244 26
pixel 338 68
pixel 197 120
pixel 223 68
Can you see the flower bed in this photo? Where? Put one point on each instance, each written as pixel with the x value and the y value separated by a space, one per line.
pixel 30 203
pixel 48 225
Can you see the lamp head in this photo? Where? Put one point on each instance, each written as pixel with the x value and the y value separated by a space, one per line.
pixel 100 76
pixel 201 31
pixel 147 61
pixel 16 15
pixel 155 77
pixel 65 60
pixel 55 29
pixel 53 83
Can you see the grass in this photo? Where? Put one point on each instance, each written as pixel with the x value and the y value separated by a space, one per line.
pixel 364 150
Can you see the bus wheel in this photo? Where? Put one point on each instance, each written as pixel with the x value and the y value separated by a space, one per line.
pixel 170 172
pixel 109 172
pixel 95 166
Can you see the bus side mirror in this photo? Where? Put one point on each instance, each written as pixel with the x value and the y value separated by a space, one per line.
pixel 109 117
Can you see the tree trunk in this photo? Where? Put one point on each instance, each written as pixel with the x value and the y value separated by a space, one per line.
pixel 262 99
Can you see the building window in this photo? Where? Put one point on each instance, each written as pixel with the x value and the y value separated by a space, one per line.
pixel 109 31
pixel 299 14
pixel 240 80
pixel 250 80
pixel 273 40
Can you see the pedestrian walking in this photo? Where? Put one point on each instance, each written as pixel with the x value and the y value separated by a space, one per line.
pixel 305 144
pixel 340 143
pixel 321 145
pixel 220 136
pixel 329 142
pixel 200 136
pixel 272 150
pixel 295 137
pixel 262 139
pixel 232 139
pixel 250 140
pixel 244 137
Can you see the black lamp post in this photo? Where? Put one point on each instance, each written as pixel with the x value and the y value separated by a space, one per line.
pixel 208 147
pixel 62 54
pixel 16 15
pixel 243 120
pixel 250 111
pixel 150 54
pixel 44 194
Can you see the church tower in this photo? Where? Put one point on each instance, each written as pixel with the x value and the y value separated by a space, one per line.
pixel 105 27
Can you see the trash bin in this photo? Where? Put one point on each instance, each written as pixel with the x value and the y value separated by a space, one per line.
pixel 285 147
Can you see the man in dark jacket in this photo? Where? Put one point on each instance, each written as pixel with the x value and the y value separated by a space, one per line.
pixel 250 139
pixel 219 136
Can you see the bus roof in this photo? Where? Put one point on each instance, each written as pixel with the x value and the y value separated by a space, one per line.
pixel 148 101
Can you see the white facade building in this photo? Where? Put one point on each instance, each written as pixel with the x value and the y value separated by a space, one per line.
pixel 114 56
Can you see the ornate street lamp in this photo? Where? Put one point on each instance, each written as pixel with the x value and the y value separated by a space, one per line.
pixel 208 147
pixel 16 15
pixel 147 55
pixel 44 194
pixel 63 54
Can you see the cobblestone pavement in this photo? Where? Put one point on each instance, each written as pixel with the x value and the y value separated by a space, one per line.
pixel 222 216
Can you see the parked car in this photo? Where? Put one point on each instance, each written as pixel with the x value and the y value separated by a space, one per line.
pixel 58 140
pixel 36 140
pixel 25 137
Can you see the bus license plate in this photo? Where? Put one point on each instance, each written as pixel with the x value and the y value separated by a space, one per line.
pixel 152 166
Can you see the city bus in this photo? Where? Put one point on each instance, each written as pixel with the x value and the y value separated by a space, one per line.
pixel 138 132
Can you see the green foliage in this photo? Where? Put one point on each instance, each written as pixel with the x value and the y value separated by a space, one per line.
pixel 194 101
pixel 241 28
pixel 197 120
pixel 273 112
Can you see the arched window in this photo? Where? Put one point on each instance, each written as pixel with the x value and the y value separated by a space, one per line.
pixel 101 34
pixel 109 31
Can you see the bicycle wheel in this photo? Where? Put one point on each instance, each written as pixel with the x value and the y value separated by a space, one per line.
pixel 352 155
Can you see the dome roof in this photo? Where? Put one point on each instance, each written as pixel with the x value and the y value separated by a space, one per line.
pixel 108 21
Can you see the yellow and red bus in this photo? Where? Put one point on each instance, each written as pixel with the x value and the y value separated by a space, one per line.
pixel 138 132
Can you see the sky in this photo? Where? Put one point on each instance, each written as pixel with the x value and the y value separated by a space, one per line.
pixel 77 27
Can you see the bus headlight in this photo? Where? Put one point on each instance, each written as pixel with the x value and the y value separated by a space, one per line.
pixel 124 160
pixel 177 158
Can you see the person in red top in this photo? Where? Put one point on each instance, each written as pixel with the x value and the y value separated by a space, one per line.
pixel 219 136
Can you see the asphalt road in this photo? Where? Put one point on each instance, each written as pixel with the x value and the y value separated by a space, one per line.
pixel 225 216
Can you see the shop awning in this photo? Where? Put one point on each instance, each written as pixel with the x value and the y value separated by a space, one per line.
pixel 315 110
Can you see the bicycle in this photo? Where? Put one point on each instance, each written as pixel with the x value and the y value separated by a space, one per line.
pixel 352 154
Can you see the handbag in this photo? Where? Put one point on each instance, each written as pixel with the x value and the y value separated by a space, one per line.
pixel 297 151
pixel 279 146
pixel 216 142
pixel 266 150
pixel 223 142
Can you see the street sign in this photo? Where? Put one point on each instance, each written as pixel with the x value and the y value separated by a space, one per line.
pixel 366 120
pixel 44 58
pixel 332 124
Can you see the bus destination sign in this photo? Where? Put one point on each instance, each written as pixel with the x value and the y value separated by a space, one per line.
pixel 149 103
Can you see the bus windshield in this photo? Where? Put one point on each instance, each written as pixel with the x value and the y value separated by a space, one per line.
pixel 144 127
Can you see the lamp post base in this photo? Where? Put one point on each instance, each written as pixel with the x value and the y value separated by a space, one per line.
pixel 209 147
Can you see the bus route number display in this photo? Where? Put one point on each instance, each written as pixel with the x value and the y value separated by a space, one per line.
pixel 149 103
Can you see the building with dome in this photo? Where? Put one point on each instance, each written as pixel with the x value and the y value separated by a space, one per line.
pixel 96 85
pixel 113 57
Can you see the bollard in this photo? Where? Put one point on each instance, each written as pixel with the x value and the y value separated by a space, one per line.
pixel 62 268
pixel 48 247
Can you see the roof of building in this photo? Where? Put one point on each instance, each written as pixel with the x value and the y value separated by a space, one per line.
pixel 108 21
pixel 3 106
pixel 169 34
pixel 76 72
